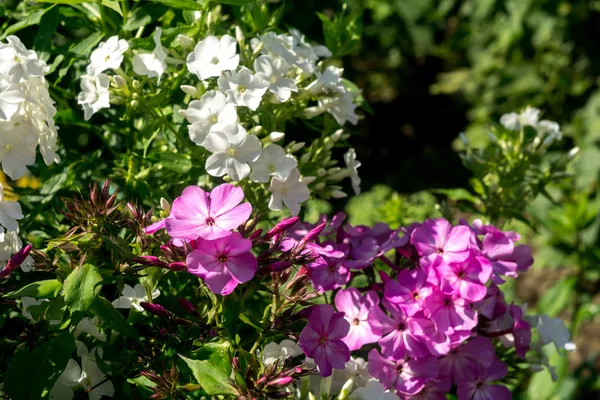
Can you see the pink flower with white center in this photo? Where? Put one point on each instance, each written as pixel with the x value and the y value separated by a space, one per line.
pixel 356 309
pixel 434 390
pixel 321 339
pixel 450 313
pixel 407 375
pixel 475 384
pixel 197 214
pixel 466 279
pixel 436 238
pixel 223 263
pixel 408 291
pixel 477 351
pixel 397 338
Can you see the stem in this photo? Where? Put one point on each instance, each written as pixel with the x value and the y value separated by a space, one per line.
pixel 256 344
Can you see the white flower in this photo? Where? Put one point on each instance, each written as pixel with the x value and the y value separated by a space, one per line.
pixel 355 369
pixel 328 81
pixel 108 55
pixel 11 96
pixel 19 63
pixel 232 150
pixel 274 71
pixel 94 94
pixel 285 46
pixel 212 56
pixel 373 391
pixel 342 108
pixel 88 376
pixel 10 212
pixel 552 330
pixel 242 88
pixel 18 141
pixel 26 302
pixel 273 161
pixel 515 122
pixel 286 348
pixel 352 164
pixel 153 64
pixel 210 113
pixel 9 245
pixel 291 192
pixel 89 326
pixel 131 297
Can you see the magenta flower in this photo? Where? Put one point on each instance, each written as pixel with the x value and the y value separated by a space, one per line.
pixel 397 338
pixel 450 313
pixel 467 278
pixel 356 309
pixel 197 214
pixel 321 339
pixel 434 389
pixel 409 291
pixel 522 256
pixel 329 275
pixel 477 351
pixel 492 306
pixel 475 384
pixel 407 375
pixel 498 248
pixel 438 343
pixel 521 331
pixel 436 238
pixel 223 263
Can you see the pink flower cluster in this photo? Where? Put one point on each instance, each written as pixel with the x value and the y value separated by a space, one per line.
pixel 439 315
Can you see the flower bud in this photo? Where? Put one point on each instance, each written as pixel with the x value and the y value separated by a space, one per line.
pixel 338 194
pixel 276 136
pixel 164 204
pixel 320 186
pixel 307 180
pixel 177 266
pixel 282 381
pixel 120 82
pixel 191 90
pixel 572 153
pixel 311 235
pixel 136 84
pixel 134 103
pixel 281 226
pixel 337 135
pixel 297 147
pixel 151 261
pixel 346 389
pixel 185 41
pixel 305 158
pixel 155 309
pixel 239 35
pixel 15 261
pixel 255 130
pixel 187 305
pixel 321 172
pixel 279 266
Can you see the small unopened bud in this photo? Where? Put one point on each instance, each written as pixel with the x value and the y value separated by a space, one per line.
pixel 337 135
pixel 305 158
pixel 320 186
pixel 346 389
pixel 136 84
pixel 338 194
pixel 307 180
pixel 120 82
pixel 321 172
pixel 177 266
pixel 281 226
pixel 312 235
pixel 279 266
pixel 151 260
pixel 191 90
pixel 16 261
pixel 257 48
pixel 239 35
pixel 164 204
pixel 185 41
pixel 187 305
pixel 235 363
pixel 283 381
pixel 276 136
pixel 155 309
pixel 572 153
pixel 256 234
pixel 297 147
pixel 255 130
pixel 134 103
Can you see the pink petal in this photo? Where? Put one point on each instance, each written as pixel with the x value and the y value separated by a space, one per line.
pixel 497 245
pixel 155 227
pixel 380 323
pixel 360 335
pixel 458 240
pixel 242 267
pixel 220 282
pixel 338 327
pixel 224 198
pixel 320 317
pixel 235 217
pixel 189 229
pixel 200 263
pixel 338 353
pixel 193 203
pixel 492 392
pixel 322 360
pixel 496 371
pixel 348 301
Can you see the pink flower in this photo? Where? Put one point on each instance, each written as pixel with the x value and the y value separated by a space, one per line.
pixel 498 248
pixel 397 338
pixel 436 238
pixel 467 278
pixel 492 305
pixel 356 309
pixel 475 385
pixel 438 343
pixel 197 214
pixel 223 263
pixel 522 256
pixel 409 291
pixel 407 375
pixel 477 351
pixel 434 389
pixel 521 331
pixel 321 339
pixel 450 313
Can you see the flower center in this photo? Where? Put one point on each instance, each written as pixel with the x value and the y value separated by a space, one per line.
pixel 107 58
pixel 231 152
pixel 241 89
pixel 222 258
pixel 8 147
pixel 460 274
pixel 479 384
pixel 17 59
pixel 447 302
pixel 440 251
pixel 214 119
pixel 323 340
pixel 356 321
pixel 416 295
pixel 401 326
pixel 210 221
pixel 215 60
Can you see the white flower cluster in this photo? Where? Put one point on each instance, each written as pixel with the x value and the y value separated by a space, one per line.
pixel 285 65
pixel 548 131
pixel 26 109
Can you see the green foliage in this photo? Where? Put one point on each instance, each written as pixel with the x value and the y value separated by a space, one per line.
pixel 81 287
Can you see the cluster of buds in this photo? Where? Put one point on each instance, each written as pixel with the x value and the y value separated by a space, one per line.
pixel 166 386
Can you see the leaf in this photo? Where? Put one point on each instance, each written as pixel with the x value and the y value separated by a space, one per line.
pixel 457 194
pixel 213 379
pixel 558 297
pixel 33 18
pixel 47 289
pixel 31 373
pixel 181 4
pixel 86 44
pixel 81 287
pixel 67 2
pixel 233 2
pixel 142 16
pixel 47 28
pixel 111 317
pixel 113 5
pixel 54 184
pixel 250 321
pixel 176 162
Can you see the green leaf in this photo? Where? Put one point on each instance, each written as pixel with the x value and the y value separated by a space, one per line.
pixel 181 4
pixel 558 297
pixel 31 373
pixel 47 289
pixel 81 287
pixel 111 317
pixel 33 18
pixel 176 162
pixel 85 45
pixel 113 5
pixel 457 194
pixel 47 28
pixel 142 16
pixel 250 321
pixel 213 379
pixel 143 384
pixel 233 2
pixel 67 2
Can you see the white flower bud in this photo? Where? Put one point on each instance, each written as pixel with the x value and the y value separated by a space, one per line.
pixel 337 135
pixel 136 84
pixel 321 172
pixel 255 130
pixel 164 204
pixel 185 41
pixel 256 48
pixel 320 186
pixel 305 158
pixel 191 90
pixel 333 170
pixel 277 136
pixel 134 103
pixel 307 180
pixel 296 147
pixel 573 152
pixel 346 389
pixel 239 35
pixel 119 81
pixel 338 194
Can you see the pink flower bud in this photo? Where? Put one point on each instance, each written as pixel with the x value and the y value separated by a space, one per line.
pixel 312 234
pixel 283 381
pixel 279 266
pixel 186 305
pixel 281 226
pixel 177 266
pixel 151 260
pixel 15 261
pixel 256 234
pixel 155 309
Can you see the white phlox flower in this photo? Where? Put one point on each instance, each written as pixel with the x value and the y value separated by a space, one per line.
pixel 212 56
pixel 153 64
pixel 18 63
pixel 291 192
pixel 353 164
pixel 374 390
pixel 90 326
pixel 108 55
pixel 274 352
pixel 10 212
pixel 274 71
pixel 131 297
pixel 94 94
pixel 273 161
pixel 243 88
pixel 210 113
pixel 329 81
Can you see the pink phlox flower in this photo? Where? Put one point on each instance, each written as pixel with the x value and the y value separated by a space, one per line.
pixel 438 343
pixel 434 389
pixel 409 290
pixel 321 339
pixel 300 229
pixel 356 310
pixel 198 214
pixel 436 238
pixel 477 351
pixel 492 305
pixel 328 270
pixel 223 263
pixel 467 278
pixel 407 375
pixel 366 249
pixel 476 383
pixel 498 248
pixel 155 227
pixel 396 336
pixel 450 313
pixel 521 331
